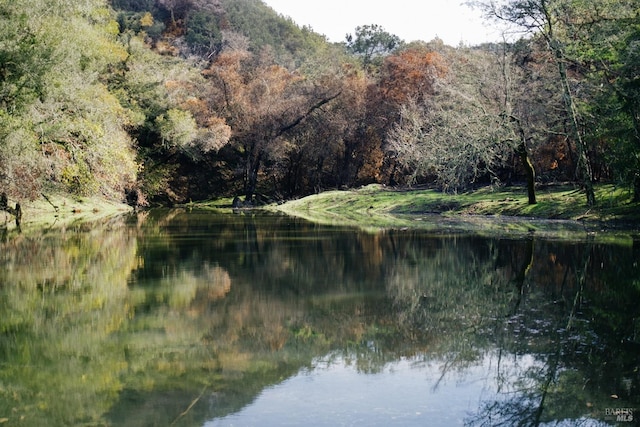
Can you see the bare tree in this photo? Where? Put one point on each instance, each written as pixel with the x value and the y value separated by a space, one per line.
pixel 455 145
pixel 543 17
pixel 459 133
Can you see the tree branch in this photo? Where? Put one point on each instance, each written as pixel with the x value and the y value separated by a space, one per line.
pixel 311 109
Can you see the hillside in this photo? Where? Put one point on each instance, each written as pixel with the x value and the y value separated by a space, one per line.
pixel 167 101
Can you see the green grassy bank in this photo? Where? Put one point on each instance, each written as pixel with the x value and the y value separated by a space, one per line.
pixel 60 210
pixel 377 206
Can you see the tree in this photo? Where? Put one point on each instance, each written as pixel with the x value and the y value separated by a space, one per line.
pixel 411 73
pixel 264 27
pixel 329 149
pixel 25 58
pixel 60 127
pixel 626 90
pixel 455 146
pixel 202 34
pixel 261 102
pixel 604 44
pixel 517 118
pixel 545 18
pixel 371 42
pixel 464 130
pixel 177 8
pixel 177 128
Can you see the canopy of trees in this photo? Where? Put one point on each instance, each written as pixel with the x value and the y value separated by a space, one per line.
pixel 162 101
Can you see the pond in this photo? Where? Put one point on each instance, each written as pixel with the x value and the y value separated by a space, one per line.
pixel 191 318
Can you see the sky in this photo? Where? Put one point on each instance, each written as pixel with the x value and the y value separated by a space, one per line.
pixel 410 20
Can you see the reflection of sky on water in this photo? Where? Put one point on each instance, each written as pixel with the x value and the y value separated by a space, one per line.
pixel 410 392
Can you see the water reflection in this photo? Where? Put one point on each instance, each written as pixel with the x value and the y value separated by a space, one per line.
pixel 335 392
pixel 190 318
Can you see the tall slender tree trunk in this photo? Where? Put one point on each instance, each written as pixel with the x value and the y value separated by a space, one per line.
pixel 251 176
pixel 584 166
pixel 521 148
pixel 523 154
pixel 529 172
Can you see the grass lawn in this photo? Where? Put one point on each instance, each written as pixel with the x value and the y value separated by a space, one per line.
pixel 377 206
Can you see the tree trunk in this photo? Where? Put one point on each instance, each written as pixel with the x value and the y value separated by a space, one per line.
pixel 530 174
pixel 555 47
pixel 584 166
pixel 251 176
pixel 529 170
pixel 17 212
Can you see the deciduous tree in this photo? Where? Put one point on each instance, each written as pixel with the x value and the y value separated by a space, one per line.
pixel 459 133
pixel 411 74
pixel 262 102
pixel 545 19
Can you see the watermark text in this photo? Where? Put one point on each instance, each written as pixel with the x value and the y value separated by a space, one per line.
pixel 623 415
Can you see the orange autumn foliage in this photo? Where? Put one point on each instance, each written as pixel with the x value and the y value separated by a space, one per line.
pixel 411 74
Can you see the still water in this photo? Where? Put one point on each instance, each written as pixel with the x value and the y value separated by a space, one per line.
pixel 189 318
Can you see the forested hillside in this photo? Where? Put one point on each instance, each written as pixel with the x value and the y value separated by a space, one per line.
pixel 166 101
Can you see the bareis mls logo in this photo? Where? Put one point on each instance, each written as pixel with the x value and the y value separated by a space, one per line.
pixel 619 414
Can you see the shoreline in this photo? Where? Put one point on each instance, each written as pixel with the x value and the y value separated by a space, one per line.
pixel 376 206
pixel 62 210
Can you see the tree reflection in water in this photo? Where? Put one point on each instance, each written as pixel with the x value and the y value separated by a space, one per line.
pixel 573 331
pixel 182 317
